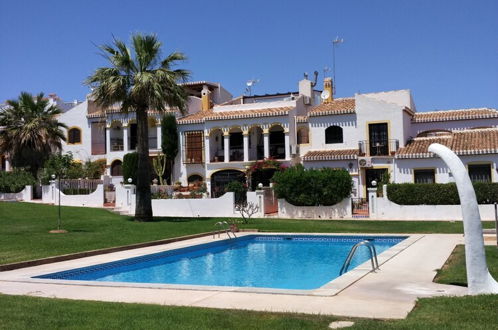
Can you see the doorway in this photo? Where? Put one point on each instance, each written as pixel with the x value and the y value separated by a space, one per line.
pixel 372 174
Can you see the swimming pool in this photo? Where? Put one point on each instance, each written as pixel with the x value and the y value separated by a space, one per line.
pixel 296 262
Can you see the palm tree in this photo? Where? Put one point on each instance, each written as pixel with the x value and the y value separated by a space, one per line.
pixel 30 131
pixel 140 82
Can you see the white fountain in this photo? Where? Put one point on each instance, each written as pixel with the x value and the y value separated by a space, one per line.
pixel 479 279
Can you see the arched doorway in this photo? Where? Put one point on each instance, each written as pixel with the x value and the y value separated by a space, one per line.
pixel 221 178
pixel 117 168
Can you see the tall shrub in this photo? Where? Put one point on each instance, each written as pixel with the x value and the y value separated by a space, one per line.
pixel 309 187
pixel 239 189
pixel 130 164
pixel 169 142
pixel 14 182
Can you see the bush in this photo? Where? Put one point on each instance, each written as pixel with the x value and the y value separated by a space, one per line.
pixel 14 182
pixel 130 164
pixel 302 187
pixel 239 190
pixel 438 193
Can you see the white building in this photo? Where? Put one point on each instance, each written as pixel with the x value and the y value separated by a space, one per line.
pixel 367 134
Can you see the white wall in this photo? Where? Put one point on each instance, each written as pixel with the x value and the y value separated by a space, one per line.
pixel 50 195
pixel 318 124
pixel 404 167
pixel 387 210
pixel 339 211
pixel 76 117
pixel 24 195
pixel 205 207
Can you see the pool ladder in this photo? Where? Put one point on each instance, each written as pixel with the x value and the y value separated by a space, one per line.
pixel 373 256
pixel 224 227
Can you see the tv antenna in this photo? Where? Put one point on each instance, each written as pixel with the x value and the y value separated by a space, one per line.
pixel 335 42
pixel 250 84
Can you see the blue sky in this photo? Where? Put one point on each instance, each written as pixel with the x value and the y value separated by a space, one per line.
pixel 446 52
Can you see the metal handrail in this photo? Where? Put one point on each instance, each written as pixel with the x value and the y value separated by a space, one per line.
pixel 224 226
pixel 373 256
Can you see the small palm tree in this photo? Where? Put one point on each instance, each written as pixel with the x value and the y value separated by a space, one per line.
pixel 140 81
pixel 30 131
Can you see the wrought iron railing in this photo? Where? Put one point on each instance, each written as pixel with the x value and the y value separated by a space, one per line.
pixel 378 148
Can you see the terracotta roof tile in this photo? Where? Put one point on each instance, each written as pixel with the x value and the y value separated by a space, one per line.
pixel 466 142
pixel 463 114
pixel 302 119
pixel 331 154
pixel 203 116
pixel 336 107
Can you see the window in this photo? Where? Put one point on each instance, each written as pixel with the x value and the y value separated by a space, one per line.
pixel 302 136
pixel 98 138
pixel 117 168
pixel 480 172
pixel 333 134
pixel 74 135
pixel 193 147
pixel 379 140
pixel 424 176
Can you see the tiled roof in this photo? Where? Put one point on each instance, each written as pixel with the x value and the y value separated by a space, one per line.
pixel 203 116
pixel 467 142
pixel 302 119
pixel 336 107
pixel 331 154
pixel 463 114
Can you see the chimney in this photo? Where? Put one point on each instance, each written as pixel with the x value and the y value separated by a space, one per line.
pixel 205 98
pixel 328 90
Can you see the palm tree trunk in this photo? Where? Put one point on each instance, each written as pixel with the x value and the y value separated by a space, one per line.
pixel 143 210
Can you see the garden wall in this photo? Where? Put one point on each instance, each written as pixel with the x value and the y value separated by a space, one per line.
pixel 384 209
pixel 338 211
pixel 24 195
pixel 50 195
pixel 196 207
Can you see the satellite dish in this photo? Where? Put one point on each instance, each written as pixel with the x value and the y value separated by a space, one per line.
pixel 250 83
pixel 325 95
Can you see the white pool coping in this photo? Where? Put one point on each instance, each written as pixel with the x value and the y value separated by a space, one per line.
pixel 20 281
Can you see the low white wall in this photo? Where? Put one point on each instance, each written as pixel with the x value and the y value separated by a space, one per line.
pixel 24 195
pixel 387 210
pixel 257 198
pixel 338 211
pixel 50 195
pixel 384 209
pixel 205 207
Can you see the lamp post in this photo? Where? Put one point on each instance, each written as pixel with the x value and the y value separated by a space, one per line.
pixel 59 211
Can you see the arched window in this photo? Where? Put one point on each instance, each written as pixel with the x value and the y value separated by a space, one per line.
pixel 195 179
pixel 117 168
pixel 74 135
pixel 333 134
pixel 303 136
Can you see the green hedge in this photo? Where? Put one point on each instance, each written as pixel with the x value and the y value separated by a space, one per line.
pixel 130 164
pixel 438 193
pixel 14 182
pixel 309 187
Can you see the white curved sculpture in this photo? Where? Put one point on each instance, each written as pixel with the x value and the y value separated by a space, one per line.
pixel 478 277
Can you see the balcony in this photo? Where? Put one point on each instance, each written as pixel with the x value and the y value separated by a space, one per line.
pixel 378 148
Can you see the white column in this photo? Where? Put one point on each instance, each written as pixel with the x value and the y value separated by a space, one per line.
pixel 159 137
pixel 207 154
pixel 266 144
pixel 107 140
pixel 7 165
pixel 227 147
pixel 372 202
pixel 287 146
pixel 125 138
pixel 246 147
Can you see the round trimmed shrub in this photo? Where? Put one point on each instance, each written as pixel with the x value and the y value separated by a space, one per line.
pixel 309 187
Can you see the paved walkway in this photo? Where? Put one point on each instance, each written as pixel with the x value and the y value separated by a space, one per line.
pixel 388 293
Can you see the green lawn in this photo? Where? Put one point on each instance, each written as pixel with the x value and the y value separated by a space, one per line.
pixel 24 229
pixel 24 235
pixel 454 272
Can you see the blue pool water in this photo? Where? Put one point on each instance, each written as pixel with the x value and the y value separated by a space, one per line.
pixel 268 261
